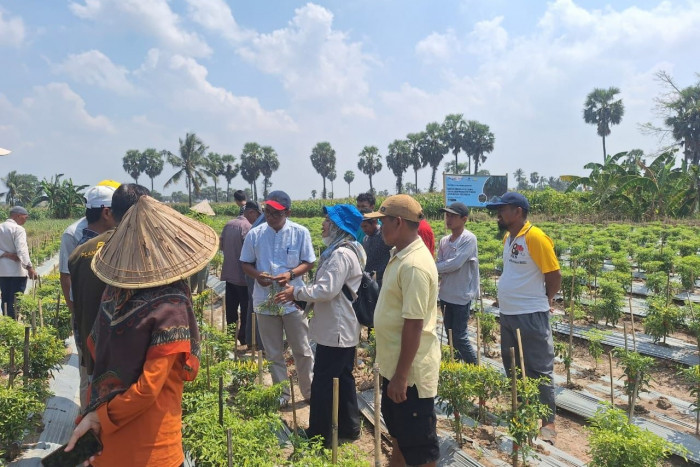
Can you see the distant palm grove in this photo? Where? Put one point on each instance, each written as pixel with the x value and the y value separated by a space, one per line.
pixel 629 184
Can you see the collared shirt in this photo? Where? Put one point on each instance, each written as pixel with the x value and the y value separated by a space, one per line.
pixel 13 239
pixel 69 240
pixel 334 323
pixel 409 291
pixel 276 253
pixel 87 235
pixel 526 259
pixel 458 266
pixel 232 237
pixel 378 254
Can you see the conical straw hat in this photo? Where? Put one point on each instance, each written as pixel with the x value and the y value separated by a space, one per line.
pixel 4 152
pixel 203 208
pixel 154 245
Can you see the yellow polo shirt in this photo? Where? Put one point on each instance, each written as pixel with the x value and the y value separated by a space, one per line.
pixel 409 291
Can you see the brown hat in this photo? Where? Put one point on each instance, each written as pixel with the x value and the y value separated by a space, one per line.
pixel 154 245
pixel 203 208
pixel 402 206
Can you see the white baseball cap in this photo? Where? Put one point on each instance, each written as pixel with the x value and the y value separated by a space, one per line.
pixel 99 196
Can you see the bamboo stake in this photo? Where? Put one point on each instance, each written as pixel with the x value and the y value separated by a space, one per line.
pixel 571 325
pixel 294 403
pixel 223 317
pixel 11 376
pixel 25 369
pixel 520 353
pixel 58 305
pixel 206 362
pixel 41 315
pixel 229 447
pixel 377 418
pixel 634 338
pixel 235 345
pixel 260 367
pixel 452 349
pixel 634 398
pixel 624 330
pixel 612 386
pixel 253 331
pixel 514 398
pixel 221 400
pixel 33 323
pixel 211 307
pixel 334 423
pixel 478 341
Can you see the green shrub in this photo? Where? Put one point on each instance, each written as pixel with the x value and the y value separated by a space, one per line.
pixel 489 328
pixel 311 453
pixel 637 372
pixel 609 305
pixel 663 318
pixel 614 442
pixel 258 400
pixel 17 409
pixel 523 424
pixel 595 338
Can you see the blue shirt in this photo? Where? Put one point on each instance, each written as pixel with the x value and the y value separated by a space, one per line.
pixel 276 253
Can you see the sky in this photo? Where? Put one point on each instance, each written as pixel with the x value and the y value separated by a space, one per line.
pixel 83 81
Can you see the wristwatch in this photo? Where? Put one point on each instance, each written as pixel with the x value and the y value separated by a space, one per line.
pixel 292 275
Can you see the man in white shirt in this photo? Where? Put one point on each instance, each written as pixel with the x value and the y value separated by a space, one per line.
pixel 458 267
pixel 15 264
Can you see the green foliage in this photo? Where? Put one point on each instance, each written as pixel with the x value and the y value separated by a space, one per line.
pixel 609 305
pixel 688 267
pixel 311 453
pixel 637 371
pixel 595 338
pixel 489 328
pixel 614 442
pixel 692 377
pixel 17 408
pixel 567 276
pixel 663 318
pixel 64 199
pixel 523 424
pixel 258 400
pixel 46 352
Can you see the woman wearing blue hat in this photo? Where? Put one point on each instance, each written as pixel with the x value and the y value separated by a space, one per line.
pixel 334 326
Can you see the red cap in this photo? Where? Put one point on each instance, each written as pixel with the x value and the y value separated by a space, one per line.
pixel 275 205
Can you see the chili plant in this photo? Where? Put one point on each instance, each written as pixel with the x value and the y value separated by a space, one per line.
pixel 636 369
pixel 692 376
pixel 17 409
pixel 595 339
pixel 663 318
pixel 523 424
pixel 456 391
pixel 488 326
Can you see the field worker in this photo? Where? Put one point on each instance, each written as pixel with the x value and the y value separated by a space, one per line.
pixel 145 341
pixel 526 288
pixel 231 243
pixel 377 251
pixel 86 288
pixel 458 267
pixel 334 326
pixel 15 264
pixel 280 252
pixel 426 233
pixel 240 198
pixel 408 351
pixel 69 240
pixel 365 202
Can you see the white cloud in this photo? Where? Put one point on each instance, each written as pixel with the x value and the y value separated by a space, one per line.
pixel 153 17
pixel 11 31
pixel 313 60
pixel 488 37
pixel 96 69
pixel 216 16
pixel 438 47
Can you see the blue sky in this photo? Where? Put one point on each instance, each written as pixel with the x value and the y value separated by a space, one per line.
pixel 83 81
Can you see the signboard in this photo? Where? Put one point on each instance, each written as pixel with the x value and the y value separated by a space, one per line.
pixel 473 190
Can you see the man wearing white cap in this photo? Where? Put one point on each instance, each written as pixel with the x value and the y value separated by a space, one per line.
pixel 15 264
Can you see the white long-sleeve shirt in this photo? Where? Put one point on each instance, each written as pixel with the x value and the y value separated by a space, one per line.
pixel 13 239
pixel 458 266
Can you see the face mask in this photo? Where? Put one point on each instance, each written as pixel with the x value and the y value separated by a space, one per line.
pixel 326 240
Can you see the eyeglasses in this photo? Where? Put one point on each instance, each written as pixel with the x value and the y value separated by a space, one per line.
pixel 274 213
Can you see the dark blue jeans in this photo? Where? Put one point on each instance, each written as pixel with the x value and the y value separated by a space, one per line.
pixel 455 317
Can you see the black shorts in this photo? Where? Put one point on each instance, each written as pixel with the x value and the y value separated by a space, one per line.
pixel 412 423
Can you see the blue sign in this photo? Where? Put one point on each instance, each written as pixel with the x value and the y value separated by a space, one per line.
pixel 473 190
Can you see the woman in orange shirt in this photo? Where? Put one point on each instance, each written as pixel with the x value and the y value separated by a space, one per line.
pixel 145 340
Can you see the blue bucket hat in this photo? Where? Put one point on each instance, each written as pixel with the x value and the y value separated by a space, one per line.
pixel 345 216
pixel 510 198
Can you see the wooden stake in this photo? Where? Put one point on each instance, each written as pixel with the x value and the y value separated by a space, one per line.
pixel 260 367
pixel 41 315
pixel 452 348
pixel 11 376
pixel 478 341
pixel 221 400
pixel 634 339
pixel 294 403
pixel 253 331
pixel 223 316
pixel 571 326
pixel 235 345
pixel 377 417
pixel 211 307
pixel 624 330
pixel 334 423
pixel 229 447
pixel 612 386
pixel 25 369
pixel 514 397
pixel 520 353
pixel 33 323
pixel 634 398
pixel 58 306
pixel 206 362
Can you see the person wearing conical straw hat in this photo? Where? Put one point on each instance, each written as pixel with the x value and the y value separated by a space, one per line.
pixel 145 340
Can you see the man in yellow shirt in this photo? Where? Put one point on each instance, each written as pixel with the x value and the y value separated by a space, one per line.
pixel 530 278
pixel 408 351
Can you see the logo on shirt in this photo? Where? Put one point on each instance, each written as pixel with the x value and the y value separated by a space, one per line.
pixel 516 250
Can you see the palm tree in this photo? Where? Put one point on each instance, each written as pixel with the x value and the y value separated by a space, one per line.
pixel 214 167
pixel 349 177
pixel 189 163
pixel 601 110
pixel 370 163
pixel 268 164
pixel 250 166
pixel 479 141
pixel 519 175
pixel 417 162
pixel 331 178
pixel 433 149
pixel 450 167
pixel 398 160
pixel 21 188
pixel 454 128
pixel 323 160
pixel 133 164
pixel 231 169
pixel 153 163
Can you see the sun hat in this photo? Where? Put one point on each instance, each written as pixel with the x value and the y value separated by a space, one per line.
pixel 99 196
pixel 510 198
pixel 18 210
pixel 345 216
pixel 203 208
pixel 278 200
pixel 460 209
pixel 4 152
pixel 402 206
pixel 154 245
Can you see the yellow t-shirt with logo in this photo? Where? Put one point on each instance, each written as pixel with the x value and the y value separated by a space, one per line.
pixel 409 291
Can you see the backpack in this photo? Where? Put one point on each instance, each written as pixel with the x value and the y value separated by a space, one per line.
pixel 366 300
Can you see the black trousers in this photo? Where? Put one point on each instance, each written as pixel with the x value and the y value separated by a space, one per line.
pixel 334 362
pixel 237 295
pixel 9 286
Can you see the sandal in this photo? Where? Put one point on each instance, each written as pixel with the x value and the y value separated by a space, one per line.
pixel 548 435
